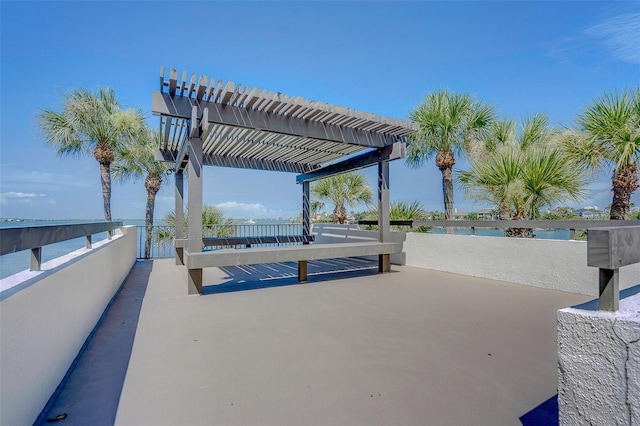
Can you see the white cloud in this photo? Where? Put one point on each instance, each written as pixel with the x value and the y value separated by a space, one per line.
pixel 242 210
pixel 19 197
pixel 621 35
pixel 618 35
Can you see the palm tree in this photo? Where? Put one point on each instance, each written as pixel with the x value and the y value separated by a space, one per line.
pixel 214 224
pixel 608 139
pixel 135 160
pixel 91 122
pixel 447 122
pixel 341 190
pixel 400 210
pixel 523 172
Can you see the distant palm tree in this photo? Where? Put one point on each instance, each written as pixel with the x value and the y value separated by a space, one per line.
pixel 608 139
pixel 342 190
pixel 214 224
pixel 91 122
pixel 400 210
pixel 447 122
pixel 135 160
pixel 522 172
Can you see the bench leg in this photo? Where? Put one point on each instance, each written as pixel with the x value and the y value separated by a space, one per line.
pixel 384 262
pixel 302 271
pixel 179 256
pixel 195 281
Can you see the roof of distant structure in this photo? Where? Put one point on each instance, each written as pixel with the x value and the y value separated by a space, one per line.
pixel 251 128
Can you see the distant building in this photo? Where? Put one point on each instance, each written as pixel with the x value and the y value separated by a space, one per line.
pixel 589 213
pixel 486 214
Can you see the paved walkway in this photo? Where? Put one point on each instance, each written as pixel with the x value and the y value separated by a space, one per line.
pixel 409 347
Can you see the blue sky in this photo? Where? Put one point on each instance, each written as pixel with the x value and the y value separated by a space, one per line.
pixel 379 57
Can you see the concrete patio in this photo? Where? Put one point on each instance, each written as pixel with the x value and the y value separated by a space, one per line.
pixel 412 346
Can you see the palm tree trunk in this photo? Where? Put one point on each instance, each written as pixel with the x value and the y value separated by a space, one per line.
pixel 105 179
pixel 148 221
pixel 340 214
pixel 625 181
pixel 447 191
pixel 152 183
pixel 105 155
pixel 519 232
pixel 445 160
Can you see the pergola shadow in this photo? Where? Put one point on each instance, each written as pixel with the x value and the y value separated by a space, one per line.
pixel 268 275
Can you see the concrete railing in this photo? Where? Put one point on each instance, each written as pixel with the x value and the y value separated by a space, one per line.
pixel 553 264
pixel 46 318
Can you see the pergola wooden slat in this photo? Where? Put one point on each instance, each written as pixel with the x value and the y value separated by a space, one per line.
pixel 204 122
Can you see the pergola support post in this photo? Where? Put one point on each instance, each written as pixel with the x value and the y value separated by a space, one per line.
pixel 384 260
pixel 179 209
pixel 194 220
pixel 306 228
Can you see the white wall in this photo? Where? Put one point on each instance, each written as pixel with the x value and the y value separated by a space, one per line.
pixel 329 233
pixel 554 264
pixel 45 320
pixel 599 365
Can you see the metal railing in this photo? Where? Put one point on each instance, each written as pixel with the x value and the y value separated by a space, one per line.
pixel 35 237
pixel 162 236
pixel 571 225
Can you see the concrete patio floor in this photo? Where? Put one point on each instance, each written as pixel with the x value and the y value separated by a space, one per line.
pixel 412 346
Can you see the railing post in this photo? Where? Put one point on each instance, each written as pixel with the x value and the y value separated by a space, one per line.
pixel 609 249
pixel 609 292
pixel 36 259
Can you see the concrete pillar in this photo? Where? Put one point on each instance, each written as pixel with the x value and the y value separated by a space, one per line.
pixel 599 365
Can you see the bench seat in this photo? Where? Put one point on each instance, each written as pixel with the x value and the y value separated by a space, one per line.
pixel 249 241
pixel 255 255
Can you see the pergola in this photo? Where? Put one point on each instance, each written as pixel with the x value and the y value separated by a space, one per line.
pixel 205 122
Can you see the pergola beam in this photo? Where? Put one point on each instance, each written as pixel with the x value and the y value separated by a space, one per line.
pixel 388 153
pixel 229 115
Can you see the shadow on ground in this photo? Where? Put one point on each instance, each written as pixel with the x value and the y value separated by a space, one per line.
pixel 253 277
pixel 90 391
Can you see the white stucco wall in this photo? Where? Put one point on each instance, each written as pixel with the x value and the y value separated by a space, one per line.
pixel 553 264
pixel 328 233
pixel 599 365
pixel 45 320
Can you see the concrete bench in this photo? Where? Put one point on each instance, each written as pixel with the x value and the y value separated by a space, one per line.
pixel 300 254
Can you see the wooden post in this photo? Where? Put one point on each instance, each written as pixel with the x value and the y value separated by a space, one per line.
pixel 306 211
pixel 36 259
pixel 179 223
pixel 302 271
pixel 194 243
pixel 609 249
pixel 384 260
